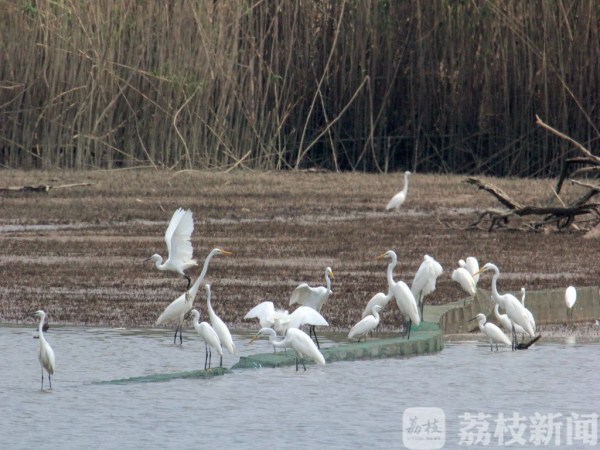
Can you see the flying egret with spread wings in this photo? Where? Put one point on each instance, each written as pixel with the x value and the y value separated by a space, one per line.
pixel 45 353
pixel 297 340
pixel 183 304
pixel 179 245
pixel 313 297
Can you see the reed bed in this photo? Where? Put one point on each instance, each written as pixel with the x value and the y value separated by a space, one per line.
pixel 375 85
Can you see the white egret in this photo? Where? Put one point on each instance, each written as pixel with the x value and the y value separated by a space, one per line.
pixel 281 320
pixel 313 297
pixel 424 280
pixel 472 265
pixel 404 298
pixel 45 353
pixel 527 311
pixel 398 199
pixel 513 307
pixel 570 299
pixel 210 338
pixel 380 299
pixel 183 304
pixel 466 281
pixel 297 340
pixel 506 322
pixel 493 333
pixel 365 325
pixel 179 245
pixel 219 326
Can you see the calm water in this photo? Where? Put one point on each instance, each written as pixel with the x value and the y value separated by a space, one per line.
pixel 341 405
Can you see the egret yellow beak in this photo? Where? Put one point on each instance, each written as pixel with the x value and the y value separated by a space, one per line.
pixel 225 252
pixel 383 255
pixel 256 336
pixel 479 272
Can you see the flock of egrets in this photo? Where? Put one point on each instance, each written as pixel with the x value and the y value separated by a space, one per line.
pixel 283 328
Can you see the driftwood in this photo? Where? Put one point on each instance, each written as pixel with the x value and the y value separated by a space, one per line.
pixel 45 188
pixel 561 216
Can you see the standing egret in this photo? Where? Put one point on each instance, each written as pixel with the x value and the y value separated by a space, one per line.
pixel 398 199
pixel 45 353
pixel 506 322
pixel 570 299
pixel 425 278
pixel 313 297
pixel 380 299
pixel 183 304
pixel 220 327
pixel 513 307
pixel 365 325
pixel 404 298
pixel 463 277
pixel 472 266
pixel 179 245
pixel 494 333
pixel 529 314
pixel 297 340
pixel 210 338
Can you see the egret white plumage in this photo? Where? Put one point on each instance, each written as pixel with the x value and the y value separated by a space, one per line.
pixel 466 281
pixel 45 353
pixel 506 322
pixel 210 338
pixel 404 298
pixel 527 311
pixel 472 266
pixel 493 333
pixel 398 199
pixel 380 299
pixel 424 280
pixel 281 320
pixel 513 307
pixel 183 304
pixel 313 297
pixel 365 325
pixel 179 245
pixel 570 299
pixel 219 326
pixel 297 340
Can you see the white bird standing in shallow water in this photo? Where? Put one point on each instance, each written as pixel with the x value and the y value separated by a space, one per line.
pixel 45 354
pixel 365 325
pixel 404 298
pixel 220 327
pixel 183 304
pixel 297 340
pixel 493 333
pixel 570 299
pixel 210 338
pixel 178 239
pixel 398 199
pixel 513 307
pixel 313 297
pixel 424 280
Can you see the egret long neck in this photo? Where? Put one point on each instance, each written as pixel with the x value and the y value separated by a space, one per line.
pixel 405 187
pixel 390 272
pixel 327 281
pixel 194 289
pixel 274 342
pixel 495 293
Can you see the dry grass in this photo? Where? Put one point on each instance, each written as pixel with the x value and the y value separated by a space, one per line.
pixel 78 253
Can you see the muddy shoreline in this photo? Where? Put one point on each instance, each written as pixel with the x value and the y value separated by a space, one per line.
pixel 78 252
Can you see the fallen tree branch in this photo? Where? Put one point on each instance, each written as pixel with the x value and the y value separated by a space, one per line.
pixel 42 187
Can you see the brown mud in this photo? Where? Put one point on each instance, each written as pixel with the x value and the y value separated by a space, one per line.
pixel 78 252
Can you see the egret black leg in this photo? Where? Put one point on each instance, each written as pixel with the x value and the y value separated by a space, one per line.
pixel 42 388
pixel 209 357
pixel 189 282
pixel 221 361
pixel 303 365
pixel 314 331
pixel 49 380
pixel 205 356
pixel 296 364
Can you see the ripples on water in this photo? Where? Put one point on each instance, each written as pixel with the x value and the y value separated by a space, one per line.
pixel 341 405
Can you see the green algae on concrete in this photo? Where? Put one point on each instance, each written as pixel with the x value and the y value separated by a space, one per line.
pixel 424 339
pixel 161 377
